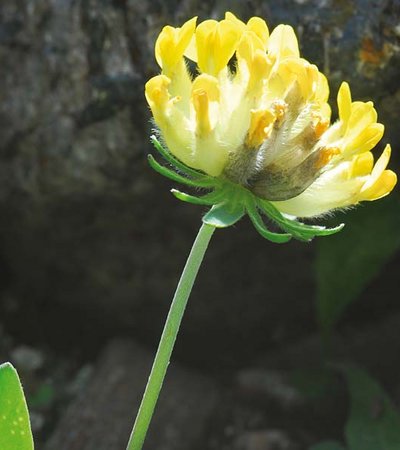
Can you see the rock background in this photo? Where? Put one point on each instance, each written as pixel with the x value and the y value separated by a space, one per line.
pixel 92 243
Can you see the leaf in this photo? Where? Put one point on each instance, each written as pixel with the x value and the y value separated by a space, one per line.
pixel 374 424
pixel 224 215
pixel 346 263
pixel 15 430
pixel 328 445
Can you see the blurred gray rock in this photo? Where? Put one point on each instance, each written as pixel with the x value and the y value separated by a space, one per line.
pixel 85 224
pixel 265 440
pixel 101 418
pixel 27 358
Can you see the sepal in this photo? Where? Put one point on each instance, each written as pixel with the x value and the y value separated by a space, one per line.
pixel 296 228
pixel 224 215
pixel 230 202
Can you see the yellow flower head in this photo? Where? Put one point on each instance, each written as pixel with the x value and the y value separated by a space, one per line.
pixel 255 114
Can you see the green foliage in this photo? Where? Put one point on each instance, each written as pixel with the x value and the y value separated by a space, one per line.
pixel 315 383
pixel 346 263
pixel 374 424
pixel 15 431
pixel 42 397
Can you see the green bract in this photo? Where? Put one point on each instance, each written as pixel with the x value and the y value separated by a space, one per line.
pixel 230 202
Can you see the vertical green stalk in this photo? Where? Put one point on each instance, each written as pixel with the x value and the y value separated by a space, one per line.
pixel 168 338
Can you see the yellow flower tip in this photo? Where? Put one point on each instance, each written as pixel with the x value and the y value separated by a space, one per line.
pixel 248 45
pixel 261 122
pixel 205 89
pixel 208 84
pixel 216 43
pixel 201 105
pixel 260 29
pixel 366 139
pixel 382 186
pixel 283 43
pixel 381 182
pixel 373 133
pixel 362 165
pixel 237 22
pixel 172 43
pixel 156 92
pixel 344 102
pixel 259 68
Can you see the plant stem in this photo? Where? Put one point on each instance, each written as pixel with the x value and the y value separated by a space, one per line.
pixel 168 338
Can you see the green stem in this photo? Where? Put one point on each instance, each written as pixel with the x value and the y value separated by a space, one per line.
pixel 168 338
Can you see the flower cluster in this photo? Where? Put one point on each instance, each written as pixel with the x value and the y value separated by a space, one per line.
pixel 253 114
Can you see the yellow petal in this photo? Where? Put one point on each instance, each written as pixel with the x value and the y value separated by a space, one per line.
pixel 201 104
pixel 156 92
pixel 204 91
pixel 284 76
pixel 259 27
pixel 185 35
pixel 367 139
pixel 283 43
pixel 259 71
pixel 208 84
pixel 238 23
pixel 191 50
pixel 216 43
pixel 300 72
pixel 362 165
pixel 322 89
pixel 378 169
pixel 248 45
pixel 344 102
pixel 362 114
pixel 381 181
pixel 382 186
pixel 260 125
pixel 171 44
pixel 325 112
pixel 330 191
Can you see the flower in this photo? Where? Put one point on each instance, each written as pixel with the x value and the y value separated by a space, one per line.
pixel 255 116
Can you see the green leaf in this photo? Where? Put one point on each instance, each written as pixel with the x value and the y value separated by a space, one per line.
pixel 374 424
pixel 328 445
pixel 346 263
pixel 224 215
pixel 15 430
